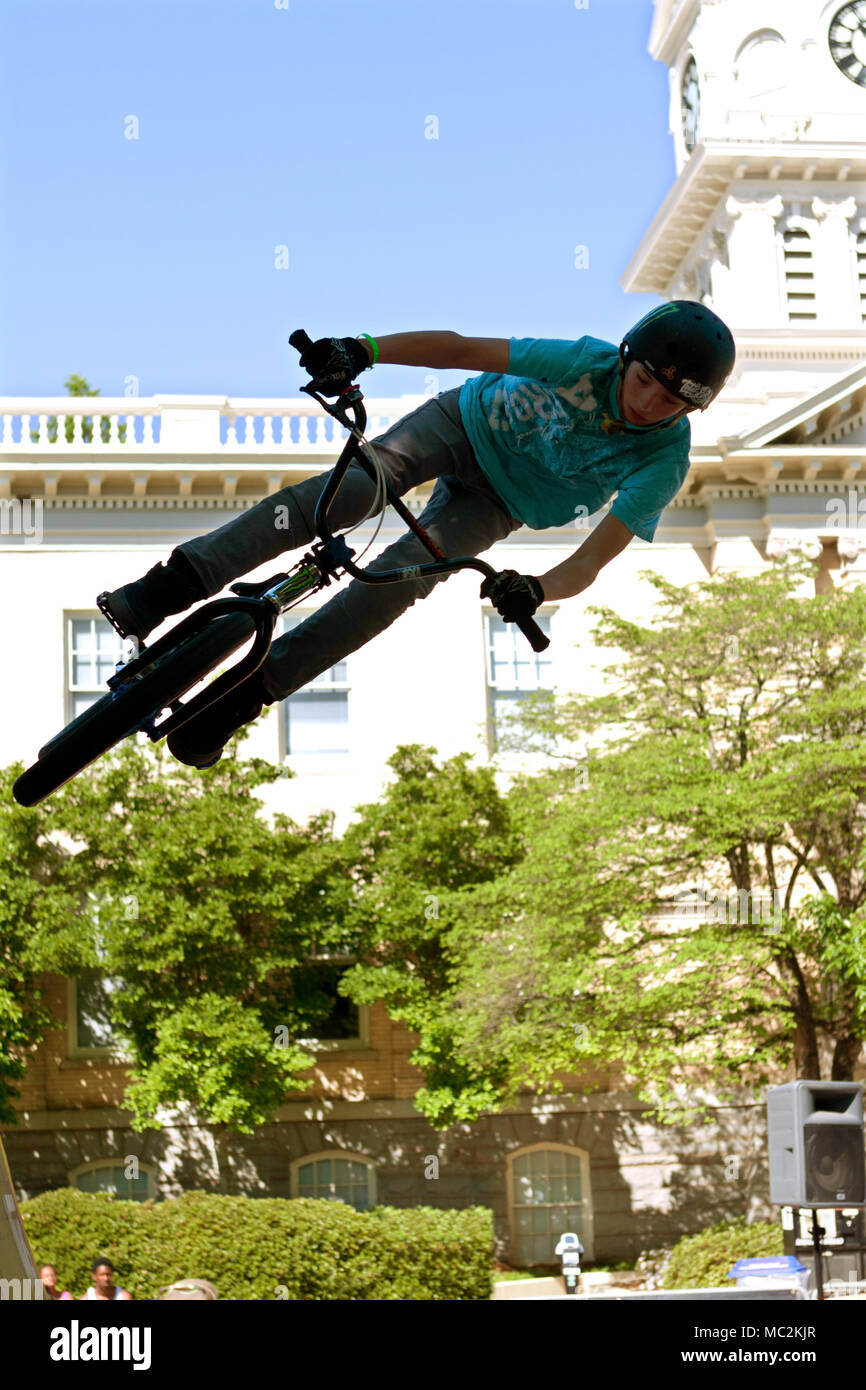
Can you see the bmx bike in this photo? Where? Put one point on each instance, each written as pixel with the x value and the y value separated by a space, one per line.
pixel 151 684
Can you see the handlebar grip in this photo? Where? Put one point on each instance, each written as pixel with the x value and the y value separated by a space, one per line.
pixel 300 341
pixel 533 634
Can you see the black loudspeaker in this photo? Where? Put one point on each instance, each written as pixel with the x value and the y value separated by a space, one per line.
pixel 816 1144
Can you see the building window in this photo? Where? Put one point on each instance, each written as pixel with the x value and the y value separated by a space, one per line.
pixel 90 1012
pixel 799 275
pixel 316 717
pixel 549 1195
pixel 332 1017
pixel 336 1178
pixel 761 68
pixel 93 651
pixel 128 1180
pixel 513 670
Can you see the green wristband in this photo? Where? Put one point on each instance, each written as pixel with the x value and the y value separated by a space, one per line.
pixel 374 345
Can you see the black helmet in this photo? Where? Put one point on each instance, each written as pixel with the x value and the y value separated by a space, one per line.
pixel 686 347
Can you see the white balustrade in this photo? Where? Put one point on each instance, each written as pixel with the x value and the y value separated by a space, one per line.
pixel 186 425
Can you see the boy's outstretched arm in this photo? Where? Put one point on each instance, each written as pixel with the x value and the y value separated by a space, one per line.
pixel 610 537
pixel 441 348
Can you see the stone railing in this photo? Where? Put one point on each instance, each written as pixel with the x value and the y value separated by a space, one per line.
pixel 122 425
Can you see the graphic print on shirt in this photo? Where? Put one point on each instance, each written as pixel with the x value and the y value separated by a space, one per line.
pixel 534 416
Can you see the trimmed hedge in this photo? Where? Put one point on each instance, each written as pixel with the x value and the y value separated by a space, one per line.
pixel 703 1261
pixel 264 1248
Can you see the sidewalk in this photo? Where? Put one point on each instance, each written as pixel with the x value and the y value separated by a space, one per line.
pixel 554 1286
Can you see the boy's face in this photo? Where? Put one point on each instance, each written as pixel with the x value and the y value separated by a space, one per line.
pixel 644 401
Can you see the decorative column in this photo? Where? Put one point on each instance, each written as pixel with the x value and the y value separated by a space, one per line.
pixel 852 552
pixel 837 305
pixel 781 544
pixel 753 284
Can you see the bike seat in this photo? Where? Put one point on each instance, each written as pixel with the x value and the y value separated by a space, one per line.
pixel 256 590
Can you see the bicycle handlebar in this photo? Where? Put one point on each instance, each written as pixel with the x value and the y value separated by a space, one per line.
pixel 528 626
pixel 533 634
pixel 301 341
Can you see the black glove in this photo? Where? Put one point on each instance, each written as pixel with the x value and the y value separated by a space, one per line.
pixel 513 595
pixel 333 363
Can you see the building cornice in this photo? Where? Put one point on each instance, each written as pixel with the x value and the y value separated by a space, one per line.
pixel 709 174
pixel 672 22
pixel 240 484
pixel 320 1109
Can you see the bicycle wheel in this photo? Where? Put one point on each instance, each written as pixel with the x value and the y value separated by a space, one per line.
pixel 123 710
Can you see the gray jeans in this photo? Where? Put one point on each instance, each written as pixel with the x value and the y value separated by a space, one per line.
pixel 464 517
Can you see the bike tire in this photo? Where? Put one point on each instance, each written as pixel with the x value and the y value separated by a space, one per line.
pixel 122 711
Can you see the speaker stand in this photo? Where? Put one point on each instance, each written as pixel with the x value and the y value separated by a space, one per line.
pixel 816 1233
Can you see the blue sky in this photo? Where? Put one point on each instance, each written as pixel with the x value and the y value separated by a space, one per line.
pixel 306 127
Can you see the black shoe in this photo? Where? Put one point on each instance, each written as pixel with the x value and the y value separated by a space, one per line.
pixel 136 609
pixel 200 743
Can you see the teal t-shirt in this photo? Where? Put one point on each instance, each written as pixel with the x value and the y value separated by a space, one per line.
pixel 548 437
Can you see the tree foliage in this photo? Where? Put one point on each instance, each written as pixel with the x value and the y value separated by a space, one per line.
pixel 722 770
pixel 204 915
pixel 35 906
pixel 79 386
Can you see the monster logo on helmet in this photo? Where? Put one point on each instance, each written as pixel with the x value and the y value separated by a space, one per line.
pixel 686 347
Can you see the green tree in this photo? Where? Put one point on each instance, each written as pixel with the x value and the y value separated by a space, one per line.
pixel 729 756
pixel 207 916
pixel 78 386
pixel 437 830
pixel 35 905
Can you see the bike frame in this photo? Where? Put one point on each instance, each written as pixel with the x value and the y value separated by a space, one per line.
pixel 328 559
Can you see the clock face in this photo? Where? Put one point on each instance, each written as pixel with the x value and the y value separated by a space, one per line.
pixel 847 40
pixel 691 102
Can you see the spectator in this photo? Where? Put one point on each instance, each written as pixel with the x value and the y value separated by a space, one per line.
pixel 48 1275
pixel 103 1286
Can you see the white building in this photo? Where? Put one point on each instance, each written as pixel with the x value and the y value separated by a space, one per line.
pixel 766 223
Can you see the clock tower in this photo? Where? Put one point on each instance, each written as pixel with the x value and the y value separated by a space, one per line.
pixel 766 222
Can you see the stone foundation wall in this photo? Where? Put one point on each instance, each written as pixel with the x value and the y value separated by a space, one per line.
pixel 648 1184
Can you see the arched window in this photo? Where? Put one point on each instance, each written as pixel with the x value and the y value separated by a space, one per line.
pixel 761 67
pixel 128 1179
pixel 548 1194
pixel 337 1177
pixel 799 275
